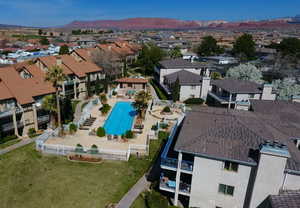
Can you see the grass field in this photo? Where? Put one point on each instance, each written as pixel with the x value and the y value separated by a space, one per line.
pixel 139 203
pixel 29 179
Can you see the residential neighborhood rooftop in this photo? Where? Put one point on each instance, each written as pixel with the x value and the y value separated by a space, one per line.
pixel 238 86
pixel 179 63
pixel 184 77
pixel 286 199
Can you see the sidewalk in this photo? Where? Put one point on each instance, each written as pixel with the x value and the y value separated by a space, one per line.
pixel 16 146
pixel 133 193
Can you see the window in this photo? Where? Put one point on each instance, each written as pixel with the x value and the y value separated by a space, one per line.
pixel 225 189
pixel 193 87
pixel 129 85
pixel 218 207
pixel 231 166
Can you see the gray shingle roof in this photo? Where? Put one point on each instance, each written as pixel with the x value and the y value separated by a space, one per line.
pixel 185 78
pixel 287 199
pixel 179 63
pixel 238 86
pixel 234 135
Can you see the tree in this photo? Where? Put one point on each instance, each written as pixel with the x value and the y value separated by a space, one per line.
pixel 286 89
pixel 40 32
pixel 64 49
pixel 175 53
pixel 290 46
pixel 149 57
pixel 244 47
pixel 245 72
pixel 97 86
pixel 67 111
pixel 141 102
pixel 216 75
pixel 125 68
pixel 88 86
pixel 49 104
pixel 55 76
pixel 176 90
pixel 44 41
pixel 209 47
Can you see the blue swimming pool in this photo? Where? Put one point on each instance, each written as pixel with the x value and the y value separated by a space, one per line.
pixel 120 119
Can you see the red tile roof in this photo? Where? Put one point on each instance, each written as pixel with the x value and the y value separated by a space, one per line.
pixel 132 80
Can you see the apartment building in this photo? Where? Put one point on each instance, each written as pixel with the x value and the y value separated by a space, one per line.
pixel 238 93
pixel 22 88
pixel 220 158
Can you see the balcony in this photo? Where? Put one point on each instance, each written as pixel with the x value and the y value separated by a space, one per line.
pixel 10 126
pixel 170 186
pixel 43 119
pixel 9 112
pixel 172 164
pixel 69 82
pixel 221 98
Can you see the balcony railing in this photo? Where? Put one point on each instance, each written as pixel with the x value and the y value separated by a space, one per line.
pixel 171 186
pixel 43 119
pixel 221 98
pixel 9 112
pixel 169 162
pixel 173 163
pixel 10 126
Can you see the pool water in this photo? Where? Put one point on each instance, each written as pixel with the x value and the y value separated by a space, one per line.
pixel 120 119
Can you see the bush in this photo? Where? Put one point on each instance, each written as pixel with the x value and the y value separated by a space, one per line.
pixel 155 199
pixel 100 132
pixel 163 135
pixel 154 127
pixel 114 93
pixel 31 132
pixel 163 125
pixel 7 138
pixel 129 134
pixel 194 101
pixel 166 109
pixel 72 128
pixel 103 98
pixel 105 108
pixel 79 148
pixel 94 149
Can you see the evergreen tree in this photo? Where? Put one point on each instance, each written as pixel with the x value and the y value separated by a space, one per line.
pixel 88 86
pixel 209 47
pixel 176 90
pixel 67 112
pixel 64 49
pixel 97 86
pixel 244 47
pixel 125 68
pixel 44 41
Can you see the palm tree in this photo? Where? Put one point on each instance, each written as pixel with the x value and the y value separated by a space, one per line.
pixel 141 102
pixel 55 75
pixel 49 104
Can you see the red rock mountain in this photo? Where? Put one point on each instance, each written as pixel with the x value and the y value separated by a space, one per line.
pixel 166 23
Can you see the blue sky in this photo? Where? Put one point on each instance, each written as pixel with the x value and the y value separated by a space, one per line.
pixel 60 12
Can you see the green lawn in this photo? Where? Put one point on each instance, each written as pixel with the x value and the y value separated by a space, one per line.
pixel 139 203
pixel 29 179
pixel 9 143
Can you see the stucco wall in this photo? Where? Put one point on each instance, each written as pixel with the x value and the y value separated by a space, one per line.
pixel 207 175
pixel 187 92
pixel 269 178
pixel 292 182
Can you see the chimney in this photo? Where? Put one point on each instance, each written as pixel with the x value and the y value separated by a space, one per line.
pixel 267 92
pixel 205 85
pixel 58 61
pixel 269 178
pixel 109 48
pixel 296 98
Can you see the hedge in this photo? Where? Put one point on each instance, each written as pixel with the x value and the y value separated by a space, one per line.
pixel 194 101
pixel 7 138
pixel 160 93
pixel 101 132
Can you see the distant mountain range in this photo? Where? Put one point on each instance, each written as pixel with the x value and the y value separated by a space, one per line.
pixel 165 23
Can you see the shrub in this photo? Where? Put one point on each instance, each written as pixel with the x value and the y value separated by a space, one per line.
pixel 163 135
pixel 155 199
pixel 31 132
pixel 114 93
pixel 163 125
pixel 105 108
pixel 154 127
pixel 72 128
pixel 79 148
pixel 166 109
pixel 94 149
pixel 8 138
pixel 103 98
pixel 100 132
pixel 129 134
pixel 194 101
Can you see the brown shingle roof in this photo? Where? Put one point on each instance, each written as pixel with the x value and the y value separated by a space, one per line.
pixel 287 199
pixel 238 86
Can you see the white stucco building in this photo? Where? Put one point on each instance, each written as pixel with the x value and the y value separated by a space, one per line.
pixel 233 159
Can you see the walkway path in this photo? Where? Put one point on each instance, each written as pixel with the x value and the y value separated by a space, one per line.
pixel 78 111
pixel 22 143
pixel 133 193
pixel 153 92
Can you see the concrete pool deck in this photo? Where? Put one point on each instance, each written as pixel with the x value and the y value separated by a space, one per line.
pixel 82 137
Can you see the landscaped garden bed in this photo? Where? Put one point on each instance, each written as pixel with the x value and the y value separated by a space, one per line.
pixel 83 158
